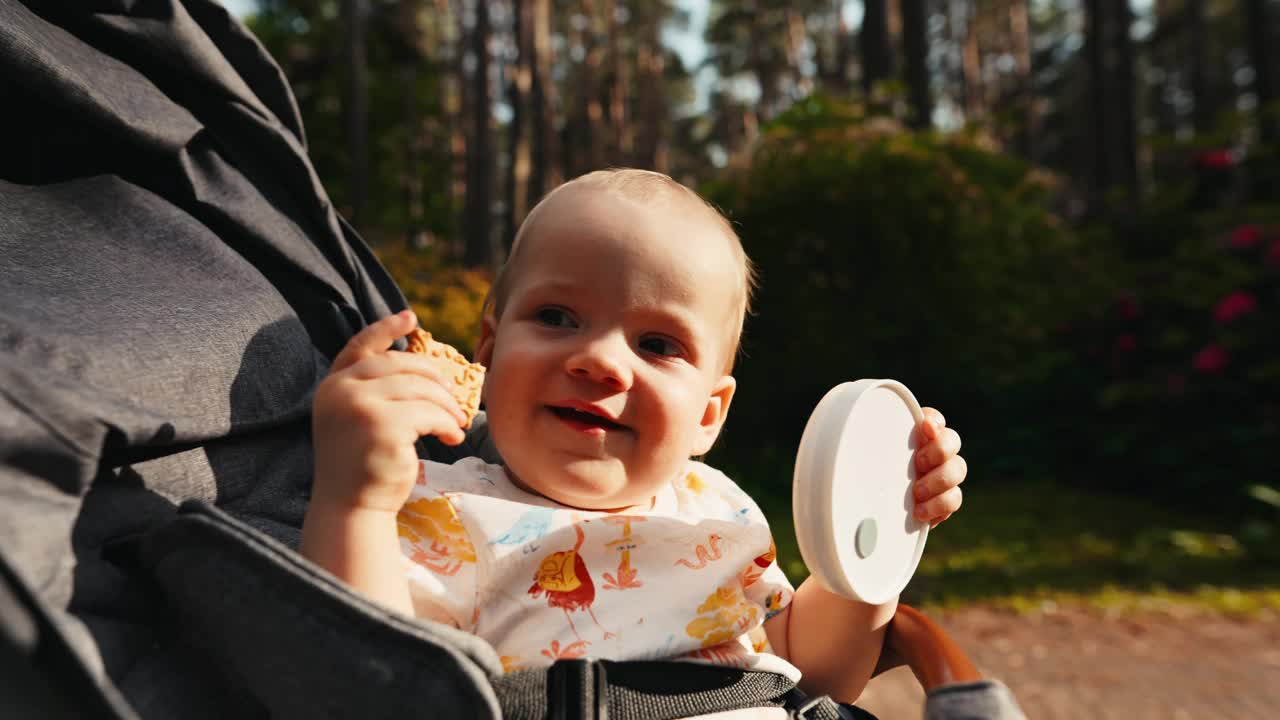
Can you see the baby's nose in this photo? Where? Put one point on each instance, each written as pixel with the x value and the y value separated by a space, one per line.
pixel 602 363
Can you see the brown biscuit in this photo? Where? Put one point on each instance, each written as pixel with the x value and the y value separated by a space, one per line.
pixel 463 378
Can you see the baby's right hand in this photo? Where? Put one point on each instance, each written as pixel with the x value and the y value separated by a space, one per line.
pixel 368 413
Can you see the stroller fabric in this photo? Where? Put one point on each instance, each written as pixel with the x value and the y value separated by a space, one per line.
pixel 175 283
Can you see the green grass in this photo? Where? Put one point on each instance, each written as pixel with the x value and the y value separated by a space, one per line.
pixel 1029 545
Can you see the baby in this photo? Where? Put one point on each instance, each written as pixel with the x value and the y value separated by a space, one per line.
pixel 609 339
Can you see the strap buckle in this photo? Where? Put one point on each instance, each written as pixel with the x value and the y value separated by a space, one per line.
pixel 814 706
pixel 823 708
pixel 577 689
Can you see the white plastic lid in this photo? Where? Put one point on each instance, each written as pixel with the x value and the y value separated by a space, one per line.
pixel 851 495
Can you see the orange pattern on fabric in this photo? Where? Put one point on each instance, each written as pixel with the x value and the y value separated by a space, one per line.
pixel 626 576
pixel 725 614
pixel 568 652
pixel 773 604
pixel 558 572
pixel 759 640
pixel 754 570
pixel 564 577
pixel 703 555
pixel 439 539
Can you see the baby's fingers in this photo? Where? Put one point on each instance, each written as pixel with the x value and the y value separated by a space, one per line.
pixel 930 426
pixel 937 493
pixel 940 508
pixel 408 387
pixel 932 415
pixel 392 362
pixel 941 479
pixel 374 339
pixel 427 417
pixel 944 446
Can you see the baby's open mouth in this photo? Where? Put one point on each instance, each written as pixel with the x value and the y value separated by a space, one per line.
pixel 583 417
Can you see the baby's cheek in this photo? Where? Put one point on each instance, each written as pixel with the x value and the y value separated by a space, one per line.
pixel 690 398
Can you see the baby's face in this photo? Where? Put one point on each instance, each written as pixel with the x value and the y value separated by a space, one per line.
pixel 607 366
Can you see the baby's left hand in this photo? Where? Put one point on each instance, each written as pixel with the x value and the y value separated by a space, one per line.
pixel 940 470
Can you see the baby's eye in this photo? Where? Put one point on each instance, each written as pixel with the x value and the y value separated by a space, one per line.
pixel 555 317
pixel 662 346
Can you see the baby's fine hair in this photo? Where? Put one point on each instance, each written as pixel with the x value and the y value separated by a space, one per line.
pixel 640 186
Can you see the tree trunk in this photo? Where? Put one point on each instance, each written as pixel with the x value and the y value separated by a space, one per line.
pixel 797 40
pixel 476 215
pixel 591 90
pixel 621 136
pixel 877 61
pixel 574 138
pixel 1095 54
pixel 844 50
pixel 546 171
pixel 356 107
pixel 1024 97
pixel 971 69
pixel 651 147
pixel 1256 31
pixel 519 92
pixel 893 13
pixel 1124 98
pixel 915 46
pixel 1166 54
pixel 452 82
pixel 1198 39
pixel 763 67
pixel 414 190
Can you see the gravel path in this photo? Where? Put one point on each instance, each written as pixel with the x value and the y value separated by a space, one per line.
pixel 1081 663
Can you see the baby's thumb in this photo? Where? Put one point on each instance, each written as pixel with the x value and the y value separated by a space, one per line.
pixel 375 338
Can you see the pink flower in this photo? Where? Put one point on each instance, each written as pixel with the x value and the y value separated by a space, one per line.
pixel 1233 306
pixel 1245 236
pixel 1210 359
pixel 1127 343
pixel 1128 308
pixel 1216 159
pixel 1273 252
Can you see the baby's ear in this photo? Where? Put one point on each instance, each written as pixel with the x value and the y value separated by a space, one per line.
pixel 714 415
pixel 484 348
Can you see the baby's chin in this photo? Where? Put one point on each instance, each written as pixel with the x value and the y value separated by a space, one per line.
pixel 606 506
pixel 598 503
pixel 604 494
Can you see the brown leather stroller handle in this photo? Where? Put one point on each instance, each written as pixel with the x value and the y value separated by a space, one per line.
pixel 916 641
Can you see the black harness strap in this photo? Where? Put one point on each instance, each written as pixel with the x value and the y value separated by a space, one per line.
pixel 645 690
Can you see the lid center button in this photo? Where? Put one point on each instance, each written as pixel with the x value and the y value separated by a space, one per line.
pixel 864 540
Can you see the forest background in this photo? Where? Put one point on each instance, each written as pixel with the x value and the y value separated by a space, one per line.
pixel 1056 220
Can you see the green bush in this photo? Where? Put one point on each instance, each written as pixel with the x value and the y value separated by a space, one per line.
pixel 449 300
pixel 931 259
pixel 1181 347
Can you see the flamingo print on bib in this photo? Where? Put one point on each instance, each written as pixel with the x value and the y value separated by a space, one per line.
pixel 693 577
